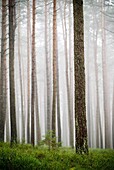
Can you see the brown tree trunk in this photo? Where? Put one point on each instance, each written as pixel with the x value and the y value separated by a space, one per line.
pixel 79 71
pixel 11 71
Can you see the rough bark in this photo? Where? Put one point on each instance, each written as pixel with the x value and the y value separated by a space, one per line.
pixel 11 71
pixel 79 71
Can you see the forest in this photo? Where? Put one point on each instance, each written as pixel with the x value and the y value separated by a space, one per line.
pixel 56 84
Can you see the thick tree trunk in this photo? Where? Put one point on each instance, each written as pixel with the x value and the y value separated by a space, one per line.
pixel 11 71
pixel 80 109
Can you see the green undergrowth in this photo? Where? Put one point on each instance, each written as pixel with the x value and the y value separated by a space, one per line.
pixel 23 156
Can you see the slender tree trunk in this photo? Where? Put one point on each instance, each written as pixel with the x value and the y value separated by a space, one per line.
pixel 20 76
pixel 33 74
pixel 67 82
pixel 28 70
pixel 38 129
pixel 47 72
pixel 113 115
pixel 79 71
pixel 3 99
pixel 58 99
pixel 54 67
pixel 105 85
pixel 71 80
pixel 11 71
pixel 88 95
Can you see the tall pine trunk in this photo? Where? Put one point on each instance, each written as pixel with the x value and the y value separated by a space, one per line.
pixel 79 71
pixel 11 71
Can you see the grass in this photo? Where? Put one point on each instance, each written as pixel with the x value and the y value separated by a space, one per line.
pixel 26 157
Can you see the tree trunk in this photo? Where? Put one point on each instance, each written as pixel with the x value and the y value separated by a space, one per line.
pixel 105 85
pixel 28 70
pixel 79 71
pixel 38 129
pixel 54 68
pixel 58 99
pixel 20 77
pixel 33 74
pixel 11 71
pixel 3 72
pixel 47 72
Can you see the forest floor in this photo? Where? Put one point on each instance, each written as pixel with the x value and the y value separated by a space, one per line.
pixel 25 157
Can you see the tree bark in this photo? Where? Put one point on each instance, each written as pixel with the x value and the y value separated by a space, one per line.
pixel 79 71
pixel 11 71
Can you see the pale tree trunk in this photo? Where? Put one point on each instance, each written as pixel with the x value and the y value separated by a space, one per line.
pixel 113 116
pixel 68 80
pixel 54 67
pixel 58 99
pixel 105 85
pixel 88 95
pixel 33 73
pixel 71 78
pixel 38 129
pixel 20 76
pixel 28 70
pixel 98 117
pixel 79 71
pixel 11 71
pixel 47 72
pixel 3 99
pixel 6 98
